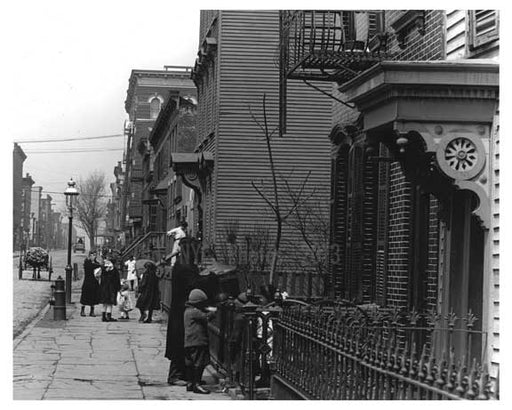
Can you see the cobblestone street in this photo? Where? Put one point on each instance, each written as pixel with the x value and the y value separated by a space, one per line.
pixel 30 296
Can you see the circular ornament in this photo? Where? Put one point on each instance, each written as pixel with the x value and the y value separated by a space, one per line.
pixel 461 157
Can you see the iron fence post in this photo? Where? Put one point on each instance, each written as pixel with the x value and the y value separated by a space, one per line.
pixel 249 310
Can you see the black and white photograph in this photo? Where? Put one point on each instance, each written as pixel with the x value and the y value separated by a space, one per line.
pixel 260 201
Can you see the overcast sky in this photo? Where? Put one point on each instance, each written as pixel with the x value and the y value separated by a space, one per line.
pixel 68 75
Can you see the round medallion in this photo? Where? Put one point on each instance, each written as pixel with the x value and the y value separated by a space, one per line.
pixel 461 157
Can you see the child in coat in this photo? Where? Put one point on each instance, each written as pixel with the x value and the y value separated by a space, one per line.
pixel 197 355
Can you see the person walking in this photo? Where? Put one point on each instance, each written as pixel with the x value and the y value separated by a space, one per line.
pixel 110 284
pixel 90 295
pixel 197 355
pixel 149 293
pixel 131 275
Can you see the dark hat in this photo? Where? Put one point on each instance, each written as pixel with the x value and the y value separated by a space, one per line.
pixel 197 296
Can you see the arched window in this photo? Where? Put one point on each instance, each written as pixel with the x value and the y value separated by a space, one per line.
pixel 154 108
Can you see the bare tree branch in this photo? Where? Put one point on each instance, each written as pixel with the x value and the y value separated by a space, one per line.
pixel 263 196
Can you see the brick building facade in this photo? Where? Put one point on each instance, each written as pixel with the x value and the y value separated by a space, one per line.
pixel 415 174
pixel 147 92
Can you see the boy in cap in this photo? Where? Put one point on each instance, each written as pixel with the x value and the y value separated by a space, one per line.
pixel 197 355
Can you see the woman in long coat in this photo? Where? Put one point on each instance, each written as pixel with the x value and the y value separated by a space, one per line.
pixel 110 284
pixel 149 293
pixel 90 287
pixel 183 281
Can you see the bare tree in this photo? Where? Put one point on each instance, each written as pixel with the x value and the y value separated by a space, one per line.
pixel 281 213
pixel 312 223
pixel 91 204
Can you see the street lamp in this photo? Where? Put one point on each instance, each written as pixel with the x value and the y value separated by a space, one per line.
pixel 70 192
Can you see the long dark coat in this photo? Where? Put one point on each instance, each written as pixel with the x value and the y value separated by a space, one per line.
pixel 183 280
pixel 90 287
pixel 110 283
pixel 149 298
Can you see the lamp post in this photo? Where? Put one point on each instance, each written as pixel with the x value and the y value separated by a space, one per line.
pixel 70 193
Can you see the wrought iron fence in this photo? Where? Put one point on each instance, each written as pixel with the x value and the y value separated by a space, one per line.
pixel 241 344
pixel 341 352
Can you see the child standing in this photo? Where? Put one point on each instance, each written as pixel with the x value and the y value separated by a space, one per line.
pixel 125 302
pixel 197 355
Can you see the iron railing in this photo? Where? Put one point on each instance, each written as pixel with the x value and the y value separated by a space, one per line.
pixel 152 245
pixel 341 352
pixel 324 45
pixel 245 362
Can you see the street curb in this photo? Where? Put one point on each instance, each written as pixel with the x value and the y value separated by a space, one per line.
pixel 18 339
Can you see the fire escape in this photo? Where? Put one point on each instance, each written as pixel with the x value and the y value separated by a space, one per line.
pixel 328 45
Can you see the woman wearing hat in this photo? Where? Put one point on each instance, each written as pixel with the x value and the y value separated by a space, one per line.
pixel 90 286
pixel 110 284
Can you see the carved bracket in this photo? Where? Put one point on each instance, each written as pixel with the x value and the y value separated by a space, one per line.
pixel 461 153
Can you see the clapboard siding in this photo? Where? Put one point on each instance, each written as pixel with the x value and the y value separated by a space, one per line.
pixel 246 70
pixel 495 259
pixel 455 34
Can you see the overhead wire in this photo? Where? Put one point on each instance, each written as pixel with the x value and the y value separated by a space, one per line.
pixel 68 139
pixel 75 151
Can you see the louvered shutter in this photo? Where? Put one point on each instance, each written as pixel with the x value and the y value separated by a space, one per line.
pixel 484 26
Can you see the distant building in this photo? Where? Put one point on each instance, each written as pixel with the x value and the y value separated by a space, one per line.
pixel 166 199
pixel 146 94
pixel 18 157
pixel 26 209
pixel 35 215
pixel 58 240
pixel 46 222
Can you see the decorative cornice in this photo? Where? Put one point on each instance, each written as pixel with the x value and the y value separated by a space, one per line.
pixel 423 79
pixel 136 74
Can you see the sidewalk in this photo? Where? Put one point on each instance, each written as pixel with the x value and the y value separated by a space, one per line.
pixel 85 358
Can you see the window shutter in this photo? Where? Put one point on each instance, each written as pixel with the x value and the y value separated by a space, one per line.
pixel 483 26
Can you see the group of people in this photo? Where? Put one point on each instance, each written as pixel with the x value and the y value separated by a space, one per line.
pixel 103 286
pixel 189 312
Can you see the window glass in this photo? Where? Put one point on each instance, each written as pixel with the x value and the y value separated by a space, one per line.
pixel 154 108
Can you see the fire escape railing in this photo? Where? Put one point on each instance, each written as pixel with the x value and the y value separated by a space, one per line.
pixel 325 45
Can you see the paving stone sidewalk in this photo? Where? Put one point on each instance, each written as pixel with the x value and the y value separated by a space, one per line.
pixel 84 358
